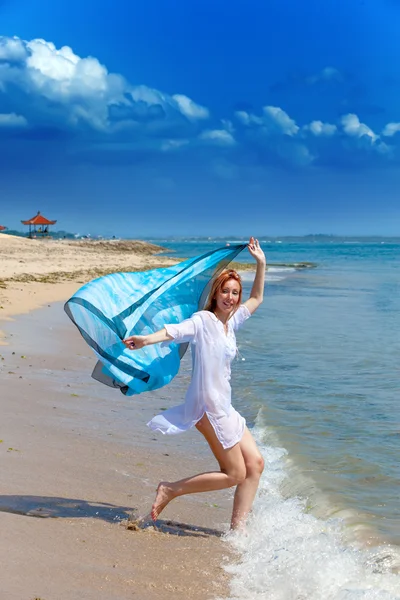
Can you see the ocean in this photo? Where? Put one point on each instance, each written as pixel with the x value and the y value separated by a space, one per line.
pixel 317 379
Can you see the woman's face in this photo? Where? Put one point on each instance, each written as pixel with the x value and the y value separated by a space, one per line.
pixel 227 297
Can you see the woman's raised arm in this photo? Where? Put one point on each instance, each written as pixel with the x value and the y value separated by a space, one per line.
pixel 257 291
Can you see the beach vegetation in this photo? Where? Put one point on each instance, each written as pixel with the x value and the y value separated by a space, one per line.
pixel 85 275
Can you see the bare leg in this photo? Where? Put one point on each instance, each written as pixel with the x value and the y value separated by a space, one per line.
pixel 203 482
pixel 233 472
pixel 246 490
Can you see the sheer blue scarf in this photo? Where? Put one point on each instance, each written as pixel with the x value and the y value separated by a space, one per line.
pixel 111 308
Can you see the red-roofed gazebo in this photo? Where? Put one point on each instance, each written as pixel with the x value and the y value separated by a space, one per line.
pixel 41 223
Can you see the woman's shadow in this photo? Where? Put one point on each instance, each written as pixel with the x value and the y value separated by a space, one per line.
pixel 64 508
pixel 72 508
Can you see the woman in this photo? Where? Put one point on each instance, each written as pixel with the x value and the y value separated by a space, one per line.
pixel 208 399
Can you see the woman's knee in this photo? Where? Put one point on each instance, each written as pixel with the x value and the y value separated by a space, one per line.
pixel 237 474
pixel 255 466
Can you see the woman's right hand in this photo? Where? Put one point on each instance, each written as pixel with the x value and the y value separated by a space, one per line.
pixel 256 251
pixel 135 342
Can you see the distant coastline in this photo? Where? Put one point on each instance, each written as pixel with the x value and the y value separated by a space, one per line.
pixel 311 238
pixel 282 238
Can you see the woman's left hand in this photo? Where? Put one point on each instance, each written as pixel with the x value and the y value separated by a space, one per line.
pixel 255 250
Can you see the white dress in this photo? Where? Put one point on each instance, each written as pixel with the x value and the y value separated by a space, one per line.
pixel 209 391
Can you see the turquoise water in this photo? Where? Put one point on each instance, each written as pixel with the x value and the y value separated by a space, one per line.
pixel 319 383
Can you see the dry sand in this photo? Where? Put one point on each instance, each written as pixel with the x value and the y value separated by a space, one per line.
pixel 22 258
pixel 36 272
pixel 76 457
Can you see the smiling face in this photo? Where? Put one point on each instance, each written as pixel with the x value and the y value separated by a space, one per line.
pixel 225 295
pixel 227 298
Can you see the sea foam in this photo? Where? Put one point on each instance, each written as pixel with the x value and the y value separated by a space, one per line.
pixel 290 554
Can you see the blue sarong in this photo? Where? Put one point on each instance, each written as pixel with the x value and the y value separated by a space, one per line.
pixel 113 307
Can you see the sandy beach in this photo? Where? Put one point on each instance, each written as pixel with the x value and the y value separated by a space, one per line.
pixel 77 458
pixel 36 272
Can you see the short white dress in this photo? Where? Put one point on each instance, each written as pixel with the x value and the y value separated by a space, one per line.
pixel 209 391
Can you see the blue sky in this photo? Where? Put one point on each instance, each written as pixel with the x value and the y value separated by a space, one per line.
pixel 265 117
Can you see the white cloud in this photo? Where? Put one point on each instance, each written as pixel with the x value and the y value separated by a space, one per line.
pixel 218 136
pixel 276 134
pixel 354 128
pixel 391 129
pixel 320 129
pixel 247 118
pixel 274 120
pixel 281 120
pixel 12 120
pixel 142 93
pixel 58 65
pixel 56 88
pixel 190 108
pixel 12 49
pixel 55 91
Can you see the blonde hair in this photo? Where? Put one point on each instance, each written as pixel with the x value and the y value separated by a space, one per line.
pixel 218 284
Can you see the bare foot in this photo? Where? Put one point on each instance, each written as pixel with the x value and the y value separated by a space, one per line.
pixel 240 528
pixel 136 522
pixel 164 495
pixel 239 523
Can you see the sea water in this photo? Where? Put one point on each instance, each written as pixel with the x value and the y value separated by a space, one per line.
pixel 317 379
